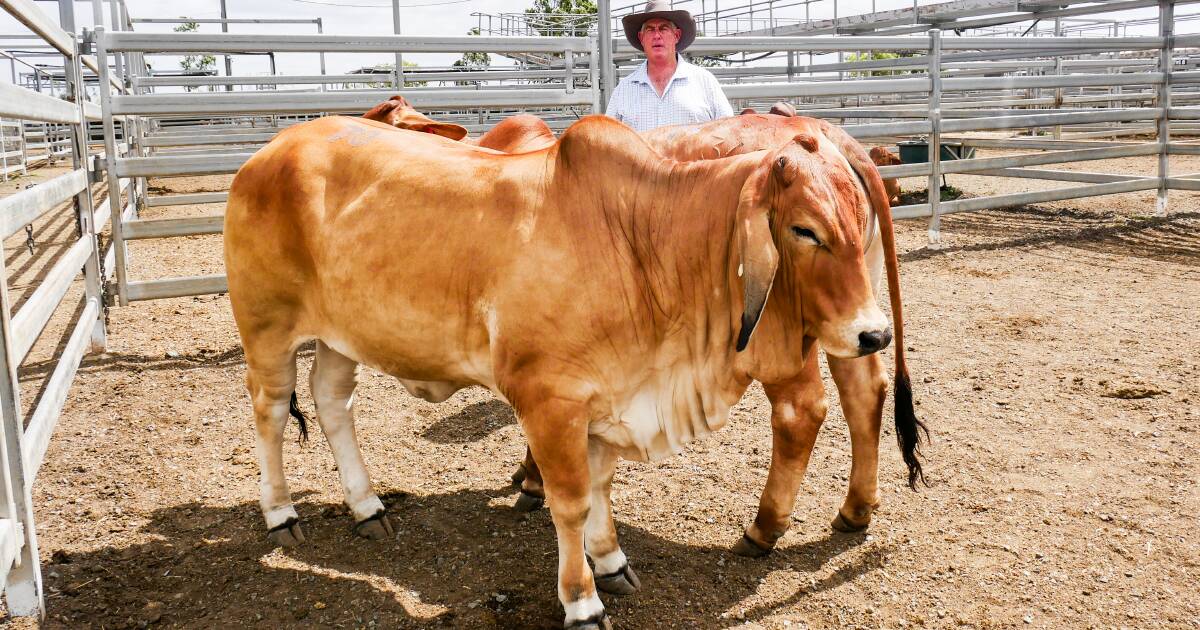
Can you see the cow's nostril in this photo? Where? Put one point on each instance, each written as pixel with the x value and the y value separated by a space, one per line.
pixel 873 340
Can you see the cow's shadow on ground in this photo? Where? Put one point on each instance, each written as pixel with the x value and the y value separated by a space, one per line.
pixel 471 423
pixel 461 559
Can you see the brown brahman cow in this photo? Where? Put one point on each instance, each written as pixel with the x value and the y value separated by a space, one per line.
pixel 882 157
pixel 861 383
pixel 619 326
pixel 798 405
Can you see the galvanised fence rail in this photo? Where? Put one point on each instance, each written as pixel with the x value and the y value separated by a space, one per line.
pixel 1065 91
pixel 26 430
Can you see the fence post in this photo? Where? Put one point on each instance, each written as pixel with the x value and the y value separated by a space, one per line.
pixel 399 69
pixel 1058 70
pixel 569 63
pixel 321 30
pixel 594 76
pixel 604 32
pixel 77 91
pixel 111 155
pixel 935 137
pixel 23 589
pixel 1166 30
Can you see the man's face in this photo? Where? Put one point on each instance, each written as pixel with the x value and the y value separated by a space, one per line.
pixel 658 38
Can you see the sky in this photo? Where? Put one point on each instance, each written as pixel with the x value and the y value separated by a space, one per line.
pixel 374 17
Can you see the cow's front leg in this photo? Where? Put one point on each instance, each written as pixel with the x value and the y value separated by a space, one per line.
pixel 613 573
pixel 862 387
pixel 333 379
pixel 797 411
pixel 557 432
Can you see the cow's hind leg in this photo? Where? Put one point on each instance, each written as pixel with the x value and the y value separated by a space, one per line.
pixel 271 381
pixel 613 573
pixel 519 474
pixel 333 379
pixel 797 411
pixel 862 388
pixel 533 495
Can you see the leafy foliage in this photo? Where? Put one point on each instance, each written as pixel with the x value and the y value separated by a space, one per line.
pixel 875 56
pixel 472 61
pixel 562 17
pixel 194 63
pixel 388 68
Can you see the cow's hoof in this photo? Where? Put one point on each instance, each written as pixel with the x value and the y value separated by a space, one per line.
pixel 286 534
pixel 598 622
pixel 846 526
pixel 375 527
pixel 519 475
pixel 527 502
pixel 621 582
pixel 747 547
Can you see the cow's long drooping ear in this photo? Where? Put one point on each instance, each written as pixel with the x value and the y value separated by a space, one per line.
pixel 758 257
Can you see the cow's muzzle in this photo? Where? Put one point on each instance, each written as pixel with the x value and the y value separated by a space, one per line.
pixel 872 341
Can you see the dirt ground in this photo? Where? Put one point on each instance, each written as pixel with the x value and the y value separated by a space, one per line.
pixel 1050 355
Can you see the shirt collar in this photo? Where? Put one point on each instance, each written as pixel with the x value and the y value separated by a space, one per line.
pixel 683 69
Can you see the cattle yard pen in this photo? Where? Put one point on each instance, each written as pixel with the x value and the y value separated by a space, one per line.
pixel 1083 97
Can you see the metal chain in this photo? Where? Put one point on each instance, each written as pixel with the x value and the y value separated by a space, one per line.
pixel 29 242
pixel 103 278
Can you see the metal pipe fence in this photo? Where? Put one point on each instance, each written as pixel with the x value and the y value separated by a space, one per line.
pixel 929 100
pixel 26 430
pixel 197 152
pixel 944 93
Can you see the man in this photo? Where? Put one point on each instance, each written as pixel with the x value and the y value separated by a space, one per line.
pixel 665 90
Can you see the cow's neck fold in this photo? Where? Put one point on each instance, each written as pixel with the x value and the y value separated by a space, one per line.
pixel 675 223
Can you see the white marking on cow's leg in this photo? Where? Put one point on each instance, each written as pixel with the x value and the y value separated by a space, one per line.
pixel 583 609
pixel 274 498
pixel 276 517
pixel 862 387
pixel 333 379
pixel 600 536
pixel 611 562
pixel 612 574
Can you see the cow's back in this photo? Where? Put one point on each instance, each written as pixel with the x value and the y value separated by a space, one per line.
pixel 734 135
pixel 342 229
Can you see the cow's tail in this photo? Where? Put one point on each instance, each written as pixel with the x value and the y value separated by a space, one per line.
pixel 301 419
pixel 908 427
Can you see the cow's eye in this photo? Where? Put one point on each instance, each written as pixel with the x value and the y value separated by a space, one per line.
pixel 806 234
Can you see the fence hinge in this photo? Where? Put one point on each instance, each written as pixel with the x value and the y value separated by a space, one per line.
pixel 109 295
pixel 99 164
pixel 87 43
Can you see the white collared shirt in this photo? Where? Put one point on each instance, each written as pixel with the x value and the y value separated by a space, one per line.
pixel 693 95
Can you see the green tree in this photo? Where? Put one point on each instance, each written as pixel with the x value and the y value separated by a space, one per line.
pixel 194 63
pixel 570 18
pixel 472 61
pixel 875 56
pixel 388 68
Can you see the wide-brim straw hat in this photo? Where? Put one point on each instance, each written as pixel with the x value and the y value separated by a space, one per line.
pixel 660 9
